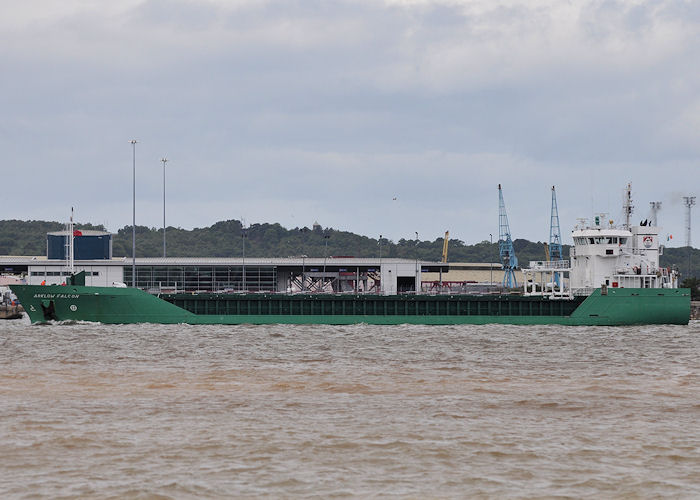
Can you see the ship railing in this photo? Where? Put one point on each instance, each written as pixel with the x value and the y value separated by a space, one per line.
pixel 582 291
pixel 636 251
pixel 631 272
pixel 549 264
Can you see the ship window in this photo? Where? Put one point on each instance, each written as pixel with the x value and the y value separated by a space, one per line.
pixel 38 273
pixel 614 240
pixel 609 251
pixel 623 241
pixel 591 241
pixel 599 240
pixel 610 240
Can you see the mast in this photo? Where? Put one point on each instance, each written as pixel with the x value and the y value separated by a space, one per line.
pixel 505 245
pixel 627 207
pixel 70 263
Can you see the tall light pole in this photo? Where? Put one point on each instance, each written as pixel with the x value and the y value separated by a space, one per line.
pixel 244 235
pixel 325 256
pixel 417 284
pixel 491 260
pixel 164 160
pixel 380 263
pixel 303 263
pixel 689 202
pixel 133 221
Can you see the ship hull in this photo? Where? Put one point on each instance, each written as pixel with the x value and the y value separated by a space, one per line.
pixel 621 306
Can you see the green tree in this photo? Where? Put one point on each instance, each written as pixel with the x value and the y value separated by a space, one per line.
pixel 694 285
pixel 224 239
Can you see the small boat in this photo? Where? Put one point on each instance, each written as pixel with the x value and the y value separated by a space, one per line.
pixel 11 312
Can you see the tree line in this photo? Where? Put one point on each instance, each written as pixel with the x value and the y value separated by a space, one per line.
pixel 228 238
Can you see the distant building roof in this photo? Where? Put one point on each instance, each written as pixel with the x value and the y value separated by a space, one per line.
pixel 84 232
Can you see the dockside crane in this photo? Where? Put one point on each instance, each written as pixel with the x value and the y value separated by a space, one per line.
pixel 554 251
pixel 555 248
pixel 444 246
pixel 505 245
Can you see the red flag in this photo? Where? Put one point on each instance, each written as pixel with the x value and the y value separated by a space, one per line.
pixel 77 232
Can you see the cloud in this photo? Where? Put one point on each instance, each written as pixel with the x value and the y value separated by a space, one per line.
pixel 326 110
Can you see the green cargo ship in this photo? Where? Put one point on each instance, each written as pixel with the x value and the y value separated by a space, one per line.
pixel 613 277
pixel 616 306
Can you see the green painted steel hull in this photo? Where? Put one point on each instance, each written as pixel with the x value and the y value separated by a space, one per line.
pixel 620 306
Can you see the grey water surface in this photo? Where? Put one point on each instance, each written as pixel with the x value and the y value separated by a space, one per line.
pixel 158 411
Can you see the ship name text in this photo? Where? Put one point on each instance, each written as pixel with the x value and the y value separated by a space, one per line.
pixel 56 296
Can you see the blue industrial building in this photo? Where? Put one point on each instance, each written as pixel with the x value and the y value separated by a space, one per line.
pixel 88 245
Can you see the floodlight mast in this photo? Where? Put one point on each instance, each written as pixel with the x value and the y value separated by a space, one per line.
pixel 133 222
pixel 164 160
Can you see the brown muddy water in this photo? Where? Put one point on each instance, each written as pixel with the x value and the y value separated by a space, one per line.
pixel 153 411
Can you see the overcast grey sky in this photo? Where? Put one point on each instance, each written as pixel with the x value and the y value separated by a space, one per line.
pixel 377 117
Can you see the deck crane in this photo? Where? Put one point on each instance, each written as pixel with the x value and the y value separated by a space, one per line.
pixel 505 245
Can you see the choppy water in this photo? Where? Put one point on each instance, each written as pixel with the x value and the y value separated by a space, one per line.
pixel 151 411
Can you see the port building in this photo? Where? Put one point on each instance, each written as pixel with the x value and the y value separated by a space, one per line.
pixel 297 274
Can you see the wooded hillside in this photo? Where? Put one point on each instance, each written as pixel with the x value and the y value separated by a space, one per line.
pixel 225 239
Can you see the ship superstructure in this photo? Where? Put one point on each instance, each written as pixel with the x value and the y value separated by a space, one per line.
pixel 604 256
pixel 618 258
